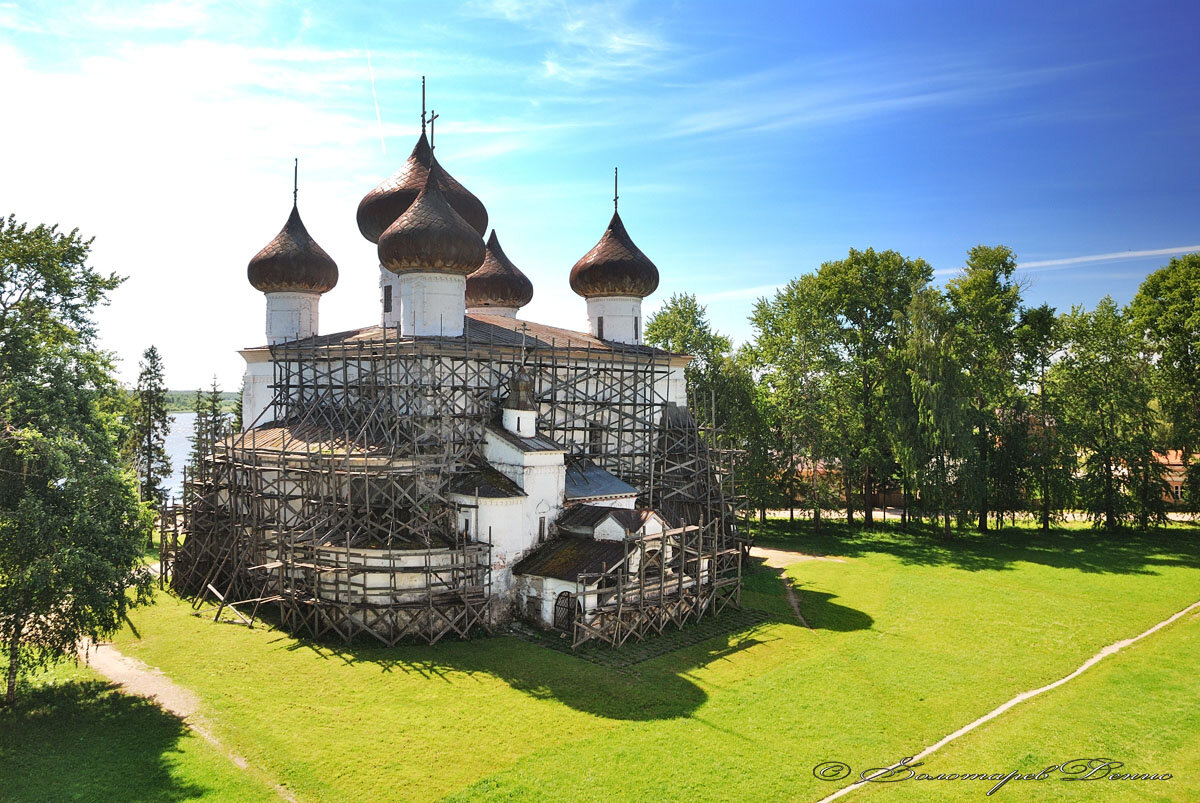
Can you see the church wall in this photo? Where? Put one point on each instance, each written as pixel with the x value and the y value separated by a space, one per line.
pixel 432 304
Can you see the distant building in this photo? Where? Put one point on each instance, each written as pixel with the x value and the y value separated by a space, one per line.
pixel 1174 473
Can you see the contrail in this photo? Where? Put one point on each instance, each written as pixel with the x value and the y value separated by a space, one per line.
pixel 375 97
pixel 1153 252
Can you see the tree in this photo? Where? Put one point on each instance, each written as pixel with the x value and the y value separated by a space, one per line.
pixel 210 426
pixel 236 422
pixel 941 393
pixel 71 527
pixel 1050 458
pixel 793 348
pixel 151 425
pixel 864 296
pixel 985 303
pixel 200 438
pixel 681 325
pixel 1166 310
pixel 1107 411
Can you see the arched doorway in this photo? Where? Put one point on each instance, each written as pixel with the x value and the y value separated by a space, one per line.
pixel 566 608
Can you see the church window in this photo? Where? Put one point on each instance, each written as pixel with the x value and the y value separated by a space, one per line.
pixel 637 328
pixel 541 529
pixel 600 326
pixel 387 298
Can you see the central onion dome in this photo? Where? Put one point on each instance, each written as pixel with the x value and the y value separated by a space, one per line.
pixel 292 262
pixel 498 282
pixel 614 267
pixel 383 205
pixel 430 237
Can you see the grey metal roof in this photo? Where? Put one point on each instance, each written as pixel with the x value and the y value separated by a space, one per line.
pixel 586 480
pixel 533 443
pixel 586 517
pixel 485 481
pixel 566 558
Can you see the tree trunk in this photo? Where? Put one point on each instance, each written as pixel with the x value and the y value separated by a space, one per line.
pixel 847 490
pixel 14 657
pixel 1045 499
pixel 904 507
pixel 983 480
pixel 868 505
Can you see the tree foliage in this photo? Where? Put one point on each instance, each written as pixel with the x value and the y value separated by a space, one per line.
pixel 71 526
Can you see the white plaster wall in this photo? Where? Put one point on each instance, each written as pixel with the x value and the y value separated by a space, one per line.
pixel 622 318
pixel 257 393
pixel 520 422
pixel 373 587
pixel 509 535
pixel 505 312
pixel 291 316
pixel 626 502
pixel 389 279
pixel 611 530
pixel 431 304
pixel 543 486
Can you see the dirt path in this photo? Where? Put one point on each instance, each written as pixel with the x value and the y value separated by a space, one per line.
pixel 1111 649
pixel 781 559
pixel 135 677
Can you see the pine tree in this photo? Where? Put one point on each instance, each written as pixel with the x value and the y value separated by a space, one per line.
pixel 151 425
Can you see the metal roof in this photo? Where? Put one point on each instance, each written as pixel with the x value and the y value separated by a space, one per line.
pixel 565 558
pixel 586 517
pixel 532 443
pixel 586 480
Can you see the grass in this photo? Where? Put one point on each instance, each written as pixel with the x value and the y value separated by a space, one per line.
pixel 73 737
pixel 911 639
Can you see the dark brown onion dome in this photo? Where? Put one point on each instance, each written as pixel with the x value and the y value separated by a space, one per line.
pixel 383 205
pixel 293 262
pixel 430 237
pixel 614 267
pixel 498 282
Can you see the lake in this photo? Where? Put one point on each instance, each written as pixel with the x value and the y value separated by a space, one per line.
pixel 178 446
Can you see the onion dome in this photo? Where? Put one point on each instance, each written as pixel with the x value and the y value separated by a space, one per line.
pixel 383 205
pixel 430 237
pixel 498 282
pixel 292 262
pixel 614 267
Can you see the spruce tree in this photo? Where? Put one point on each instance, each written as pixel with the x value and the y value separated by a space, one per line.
pixel 151 425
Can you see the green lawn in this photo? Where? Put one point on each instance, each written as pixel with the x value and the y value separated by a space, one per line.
pixel 911 639
pixel 72 737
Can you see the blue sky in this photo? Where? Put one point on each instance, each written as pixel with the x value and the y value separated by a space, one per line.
pixel 755 141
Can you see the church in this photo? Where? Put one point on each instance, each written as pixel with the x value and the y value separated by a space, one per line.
pixel 451 467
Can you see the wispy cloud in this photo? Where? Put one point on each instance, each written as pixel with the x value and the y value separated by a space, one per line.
pixel 834 91
pixel 1068 262
pixel 585 42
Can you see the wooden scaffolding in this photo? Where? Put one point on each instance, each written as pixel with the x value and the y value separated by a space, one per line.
pixel 334 506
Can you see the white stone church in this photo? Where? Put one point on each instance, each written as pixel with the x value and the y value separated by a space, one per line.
pixel 453 465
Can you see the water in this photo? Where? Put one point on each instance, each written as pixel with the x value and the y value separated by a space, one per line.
pixel 178 448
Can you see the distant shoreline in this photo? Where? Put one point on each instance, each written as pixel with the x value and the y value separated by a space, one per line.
pixel 184 401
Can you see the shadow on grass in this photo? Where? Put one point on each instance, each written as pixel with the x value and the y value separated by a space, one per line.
pixel 642 681
pixel 818 608
pixel 1087 550
pixel 88 741
pixel 646 694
